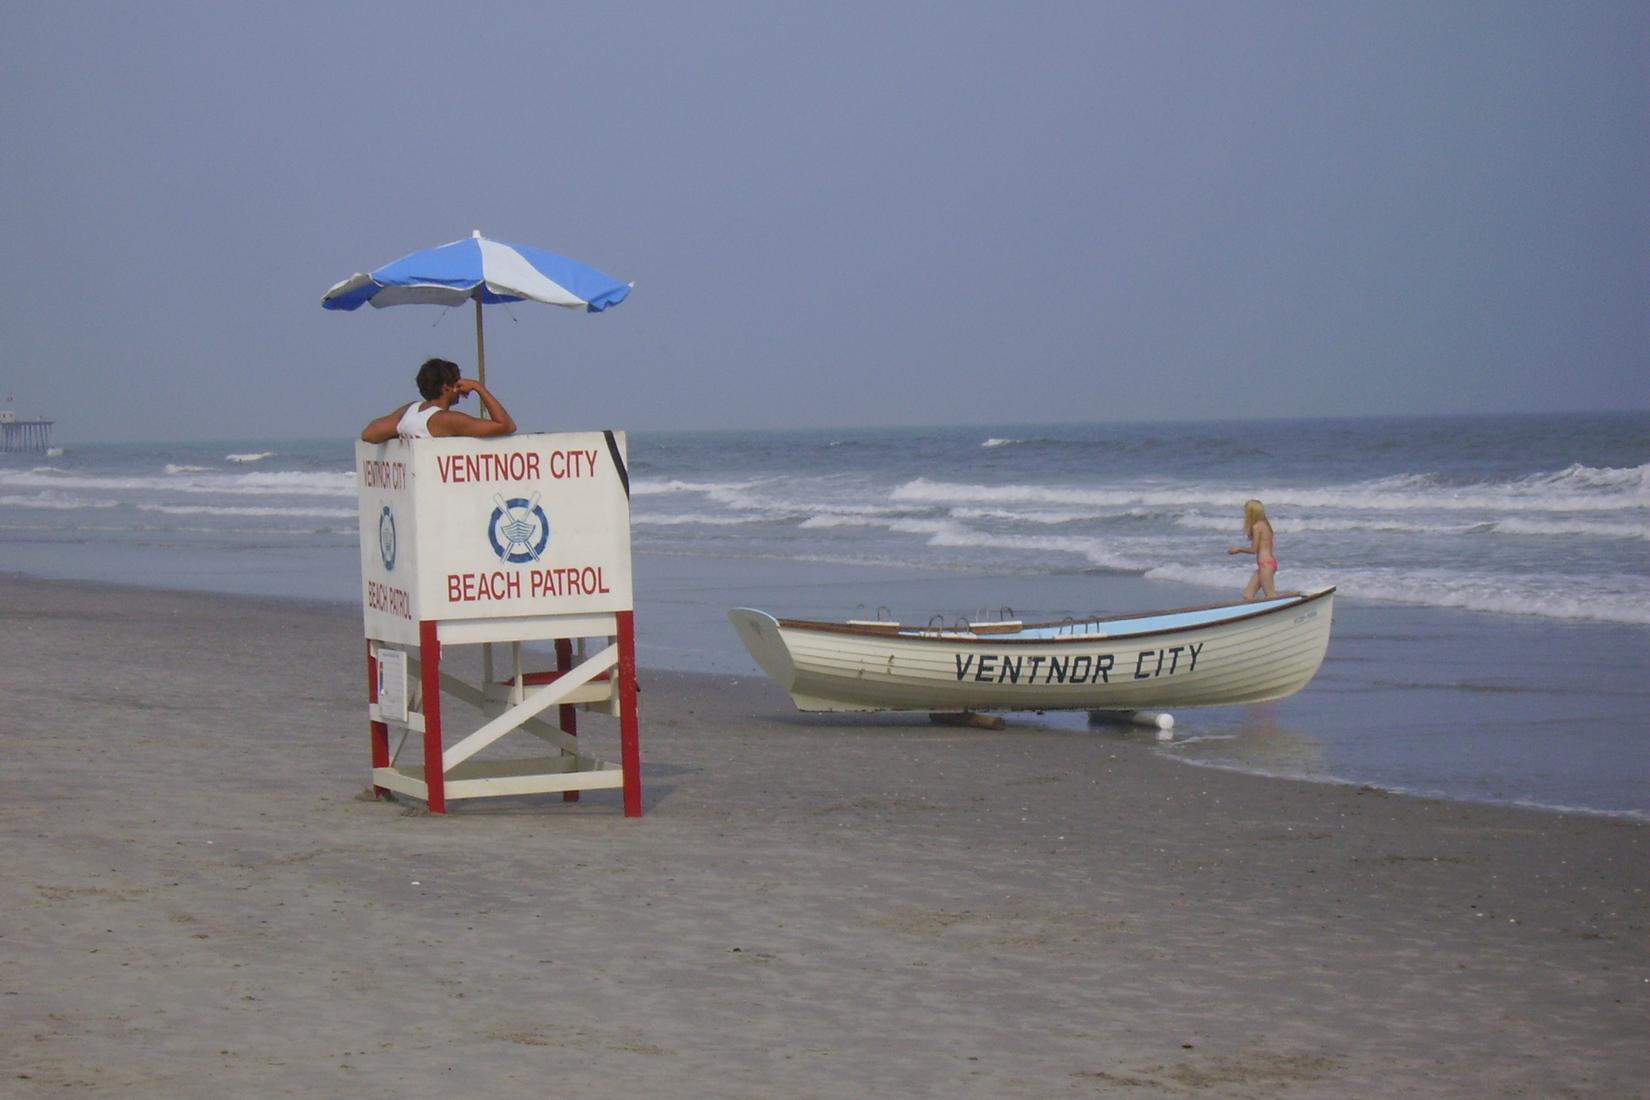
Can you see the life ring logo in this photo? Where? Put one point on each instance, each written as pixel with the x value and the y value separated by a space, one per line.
pixel 386 538
pixel 519 530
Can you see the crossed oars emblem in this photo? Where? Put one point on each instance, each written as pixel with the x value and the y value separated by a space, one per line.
pixel 518 527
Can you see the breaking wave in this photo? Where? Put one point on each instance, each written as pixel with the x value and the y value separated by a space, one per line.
pixel 1574 489
pixel 274 482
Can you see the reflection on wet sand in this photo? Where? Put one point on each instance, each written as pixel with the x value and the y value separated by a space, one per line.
pixel 1250 738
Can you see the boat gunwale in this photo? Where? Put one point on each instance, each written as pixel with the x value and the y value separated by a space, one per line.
pixel 920 634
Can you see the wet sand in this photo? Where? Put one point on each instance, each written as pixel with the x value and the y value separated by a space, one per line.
pixel 198 902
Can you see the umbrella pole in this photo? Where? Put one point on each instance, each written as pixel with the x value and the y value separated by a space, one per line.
pixel 481 353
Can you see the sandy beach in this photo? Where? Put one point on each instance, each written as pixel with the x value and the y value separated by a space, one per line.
pixel 200 903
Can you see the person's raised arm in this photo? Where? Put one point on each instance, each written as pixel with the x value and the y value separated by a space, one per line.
pixel 457 423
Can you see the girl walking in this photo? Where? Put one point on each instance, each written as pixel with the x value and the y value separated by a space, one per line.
pixel 1258 529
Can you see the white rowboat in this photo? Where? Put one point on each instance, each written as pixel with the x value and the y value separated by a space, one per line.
pixel 1157 660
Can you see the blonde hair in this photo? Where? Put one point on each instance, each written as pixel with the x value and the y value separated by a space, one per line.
pixel 1253 512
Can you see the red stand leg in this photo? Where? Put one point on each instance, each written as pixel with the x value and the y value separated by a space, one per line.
pixel 429 669
pixel 380 731
pixel 569 713
pixel 630 756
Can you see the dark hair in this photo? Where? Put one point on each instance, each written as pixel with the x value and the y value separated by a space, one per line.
pixel 436 375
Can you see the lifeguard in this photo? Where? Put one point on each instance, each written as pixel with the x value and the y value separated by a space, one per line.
pixel 441 387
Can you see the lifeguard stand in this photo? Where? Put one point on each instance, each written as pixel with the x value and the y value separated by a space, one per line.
pixel 514 540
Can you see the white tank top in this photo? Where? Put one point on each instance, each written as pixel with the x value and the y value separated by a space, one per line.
pixel 415 422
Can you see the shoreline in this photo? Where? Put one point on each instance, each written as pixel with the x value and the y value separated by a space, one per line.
pixel 202 902
pixel 756 685
pixel 682 601
pixel 1634 816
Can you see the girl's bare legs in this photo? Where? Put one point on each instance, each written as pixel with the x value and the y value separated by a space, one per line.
pixel 1262 580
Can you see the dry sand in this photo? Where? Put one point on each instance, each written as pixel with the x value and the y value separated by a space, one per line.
pixel 198 904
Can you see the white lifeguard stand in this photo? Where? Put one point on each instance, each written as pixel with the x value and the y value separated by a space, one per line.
pixel 517 539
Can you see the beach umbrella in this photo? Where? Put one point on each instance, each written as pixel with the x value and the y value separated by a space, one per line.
pixel 482 271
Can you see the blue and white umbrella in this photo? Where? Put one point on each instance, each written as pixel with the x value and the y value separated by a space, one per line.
pixel 483 271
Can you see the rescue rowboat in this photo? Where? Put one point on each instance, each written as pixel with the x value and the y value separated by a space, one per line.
pixel 1208 656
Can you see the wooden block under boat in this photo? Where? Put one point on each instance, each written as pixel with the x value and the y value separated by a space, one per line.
pixel 970 719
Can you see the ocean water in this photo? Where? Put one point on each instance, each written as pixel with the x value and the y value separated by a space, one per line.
pixel 1493 621
pixel 1542 516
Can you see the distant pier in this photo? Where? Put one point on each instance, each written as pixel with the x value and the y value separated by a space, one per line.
pixel 24 436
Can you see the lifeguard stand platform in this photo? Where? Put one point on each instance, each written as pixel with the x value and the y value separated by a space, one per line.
pixel 498 542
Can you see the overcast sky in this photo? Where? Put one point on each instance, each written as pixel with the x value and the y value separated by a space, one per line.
pixel 834 214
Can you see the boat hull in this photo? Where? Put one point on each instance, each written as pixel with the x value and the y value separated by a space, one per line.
pixel 1217 656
